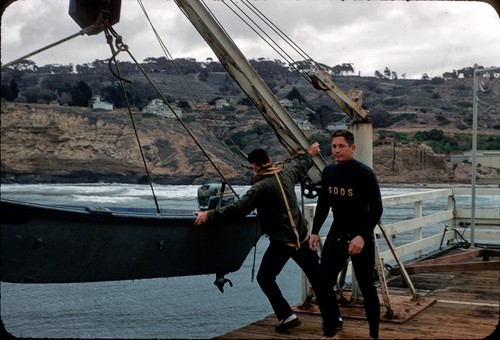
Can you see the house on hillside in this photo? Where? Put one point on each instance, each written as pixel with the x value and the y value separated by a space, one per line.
pixel 99 104
pixel 337 126
pixel 203 106
pixel 286 103
pixel 158 107
pixel 221 104
pixel 304 124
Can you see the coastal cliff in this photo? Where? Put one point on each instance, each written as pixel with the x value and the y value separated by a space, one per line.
pixel 44 143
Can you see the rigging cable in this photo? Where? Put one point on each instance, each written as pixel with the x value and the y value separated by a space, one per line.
pixel 293 63
pixel 158 91
pixel 18 60
pixel 275 47
pixel 122 47
pixel 183 81
pixel 283 35
pixel 273 122
pixel 100 23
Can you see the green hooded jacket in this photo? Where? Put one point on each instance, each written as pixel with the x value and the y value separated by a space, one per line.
pixel 266 196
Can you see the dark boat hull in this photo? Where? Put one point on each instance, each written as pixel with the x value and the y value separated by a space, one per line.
pixel 56 244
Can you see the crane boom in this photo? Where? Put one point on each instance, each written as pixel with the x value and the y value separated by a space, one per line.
pixel 350 103
pixel 288 132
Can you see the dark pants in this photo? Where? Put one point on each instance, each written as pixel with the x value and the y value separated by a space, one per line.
pixel 273 261
pixel 333 259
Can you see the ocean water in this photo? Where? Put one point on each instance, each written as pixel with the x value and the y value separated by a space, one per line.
pixel 164 308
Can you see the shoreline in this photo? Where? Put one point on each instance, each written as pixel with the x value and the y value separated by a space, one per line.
pixel 438 185
pixel 389 185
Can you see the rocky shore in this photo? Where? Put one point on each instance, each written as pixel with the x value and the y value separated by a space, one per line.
pixel 52 144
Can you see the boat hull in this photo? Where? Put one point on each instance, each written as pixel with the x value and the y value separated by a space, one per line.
pixel 59 244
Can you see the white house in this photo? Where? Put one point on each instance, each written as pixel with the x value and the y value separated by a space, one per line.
pixel 286 103
pixel 221 103
pixel 304 124
pixel 99 104
pixel 337 126
pixel 158 107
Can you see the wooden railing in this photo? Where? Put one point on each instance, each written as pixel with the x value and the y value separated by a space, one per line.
pixel 447 227
pixel 439 220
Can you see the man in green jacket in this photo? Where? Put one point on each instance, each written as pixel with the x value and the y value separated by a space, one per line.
pixel 273 195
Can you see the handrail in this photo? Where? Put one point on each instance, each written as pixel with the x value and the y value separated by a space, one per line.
pixel 430 230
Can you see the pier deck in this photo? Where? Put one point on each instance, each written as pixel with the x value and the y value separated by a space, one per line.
pixel 457 304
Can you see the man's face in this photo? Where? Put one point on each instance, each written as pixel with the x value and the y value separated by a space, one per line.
pixel 341 150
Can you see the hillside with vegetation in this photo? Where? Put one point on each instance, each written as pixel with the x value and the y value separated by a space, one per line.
pixel 50 132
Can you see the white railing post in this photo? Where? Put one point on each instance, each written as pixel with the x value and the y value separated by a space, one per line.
pixel 452 205
pixel 309 210
pixel 418 233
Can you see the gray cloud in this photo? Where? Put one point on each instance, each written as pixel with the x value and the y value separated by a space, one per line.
pixel 408 37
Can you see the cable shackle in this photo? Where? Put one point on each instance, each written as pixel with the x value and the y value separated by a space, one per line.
pixel 111 35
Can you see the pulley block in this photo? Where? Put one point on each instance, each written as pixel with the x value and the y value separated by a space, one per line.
pixel 309 189
pixel 91 15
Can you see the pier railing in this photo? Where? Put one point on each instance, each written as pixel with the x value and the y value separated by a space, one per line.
pixel 436 219
pixel 434 230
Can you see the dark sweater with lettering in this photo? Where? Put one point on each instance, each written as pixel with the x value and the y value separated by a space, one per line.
pixel 352 193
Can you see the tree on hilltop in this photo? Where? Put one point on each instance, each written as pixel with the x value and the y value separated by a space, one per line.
pixel 295 94
pixel 11 91
pixel 81 93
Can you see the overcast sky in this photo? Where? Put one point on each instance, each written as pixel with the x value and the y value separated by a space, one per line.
pixel 407 37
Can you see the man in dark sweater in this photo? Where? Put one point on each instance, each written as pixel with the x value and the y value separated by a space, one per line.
pixel 350 189
pixel 273 195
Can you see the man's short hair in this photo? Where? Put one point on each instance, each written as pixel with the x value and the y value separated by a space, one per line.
pixel 258 157
pixel 349 137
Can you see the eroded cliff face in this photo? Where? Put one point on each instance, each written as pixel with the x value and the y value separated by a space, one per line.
pixel 42 143
pixel 411 163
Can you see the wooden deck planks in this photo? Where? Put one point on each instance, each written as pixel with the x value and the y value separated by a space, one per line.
pixel 467 306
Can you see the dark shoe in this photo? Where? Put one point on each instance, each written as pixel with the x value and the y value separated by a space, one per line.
pixel 284 325
pixel 330 332
pixel 340 323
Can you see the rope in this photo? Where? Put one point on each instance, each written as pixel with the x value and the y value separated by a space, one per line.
pixel 183 81
pixel 158 91
pixel 289 211
pixel 271 42
pixel 95 28
pixel 283 35
pixel 18 60
pixel 109 39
